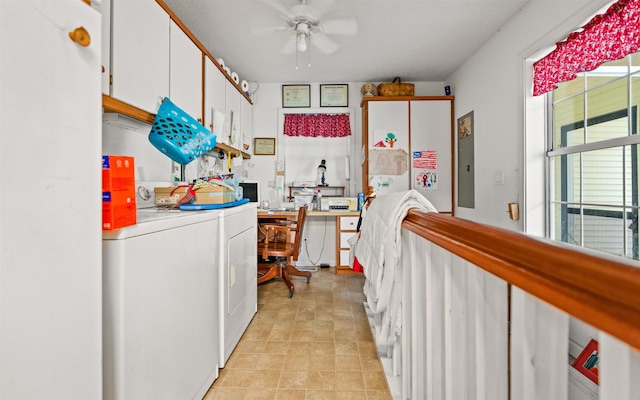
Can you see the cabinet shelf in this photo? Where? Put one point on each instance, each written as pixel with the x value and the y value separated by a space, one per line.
pixel 113 105
pixel 337 189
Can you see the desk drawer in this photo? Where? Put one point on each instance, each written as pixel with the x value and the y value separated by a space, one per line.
pixel 348 223
pixel 344 236
pixel 344 257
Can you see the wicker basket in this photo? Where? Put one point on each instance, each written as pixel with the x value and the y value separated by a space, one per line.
pixel 395 88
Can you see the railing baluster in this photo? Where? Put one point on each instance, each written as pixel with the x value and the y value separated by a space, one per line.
pixel 485 314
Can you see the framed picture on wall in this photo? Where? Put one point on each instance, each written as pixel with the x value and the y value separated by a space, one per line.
pixel 264 146
pixel 296 96
pixel 334 95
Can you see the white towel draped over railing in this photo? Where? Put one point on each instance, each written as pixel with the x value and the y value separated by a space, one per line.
pixel 378 251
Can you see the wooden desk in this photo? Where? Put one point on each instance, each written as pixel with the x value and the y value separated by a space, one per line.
pixel 346 223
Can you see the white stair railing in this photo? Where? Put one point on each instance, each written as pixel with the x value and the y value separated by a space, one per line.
pixel 469 332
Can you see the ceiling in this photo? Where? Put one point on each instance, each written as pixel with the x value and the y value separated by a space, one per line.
pixel 418 40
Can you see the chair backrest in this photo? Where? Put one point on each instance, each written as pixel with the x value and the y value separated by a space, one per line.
pixel 297 241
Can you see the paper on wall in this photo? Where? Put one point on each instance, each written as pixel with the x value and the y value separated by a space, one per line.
pixel 426 180
pixel 279 182
pixel 219 120
pixel 237 161
pixel 386 139
pixel 388 162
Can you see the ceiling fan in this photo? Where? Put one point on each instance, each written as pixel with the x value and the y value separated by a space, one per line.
pixel 309 28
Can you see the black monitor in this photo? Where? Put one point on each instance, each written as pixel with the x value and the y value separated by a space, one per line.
pixel 251 191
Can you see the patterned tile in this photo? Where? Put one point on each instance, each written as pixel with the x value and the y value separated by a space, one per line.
pixel 316 345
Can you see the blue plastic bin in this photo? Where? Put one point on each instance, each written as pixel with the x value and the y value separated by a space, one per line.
pixel 178 135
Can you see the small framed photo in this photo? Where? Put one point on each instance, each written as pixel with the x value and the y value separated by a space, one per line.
pixel 296 96
pixel 334 95
pixel 264 146
pixel 588 361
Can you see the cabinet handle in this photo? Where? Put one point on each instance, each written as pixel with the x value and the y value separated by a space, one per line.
pixel 80 36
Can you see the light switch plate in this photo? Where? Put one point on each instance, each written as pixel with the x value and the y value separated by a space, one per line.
pixel 514 214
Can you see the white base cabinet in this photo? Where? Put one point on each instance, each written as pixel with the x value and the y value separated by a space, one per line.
pixel 345 228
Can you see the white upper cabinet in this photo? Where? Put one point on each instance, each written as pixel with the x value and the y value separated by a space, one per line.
pixel 214 98
pixel 104 8
pixel 234 108
pixel 247 126
pixel 185 73
pixel 139 53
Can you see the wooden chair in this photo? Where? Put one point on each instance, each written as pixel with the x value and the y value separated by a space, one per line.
pixel 286 251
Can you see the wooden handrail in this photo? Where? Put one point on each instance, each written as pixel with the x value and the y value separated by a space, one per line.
pixel 601 290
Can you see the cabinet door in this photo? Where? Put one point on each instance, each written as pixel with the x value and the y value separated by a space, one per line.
pixel 139 53
pixel 214 97
pixel 247 125
pixel 104 8
pixel 388 138
pixel 233 108
pixel 185 73
pixel 431 137
pixel 51 314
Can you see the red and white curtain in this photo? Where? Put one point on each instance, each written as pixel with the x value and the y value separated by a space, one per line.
pixel 607 37
pixel 317 125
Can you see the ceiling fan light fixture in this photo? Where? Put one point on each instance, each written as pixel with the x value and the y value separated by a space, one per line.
pixel 301 41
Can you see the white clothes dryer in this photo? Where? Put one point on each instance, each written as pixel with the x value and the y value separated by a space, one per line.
pixel 238 282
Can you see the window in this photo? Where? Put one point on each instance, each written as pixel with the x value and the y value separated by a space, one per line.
pixel 593 160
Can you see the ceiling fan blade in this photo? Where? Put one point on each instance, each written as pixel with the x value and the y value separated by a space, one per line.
pixel 284 12
pixel 347 27
pixel 290 46
pixel 305 11
pixel 262 30
pixel 324 43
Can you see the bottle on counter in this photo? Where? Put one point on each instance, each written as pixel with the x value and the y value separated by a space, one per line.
pixel 319 200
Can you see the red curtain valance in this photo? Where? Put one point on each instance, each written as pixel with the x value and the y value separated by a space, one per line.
pixel 607 37
pixel 314 125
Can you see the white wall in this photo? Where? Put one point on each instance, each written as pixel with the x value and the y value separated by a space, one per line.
pixel 268 102
pixel 492 84
pixel 266 110
pixel 133 141
pixel 495 83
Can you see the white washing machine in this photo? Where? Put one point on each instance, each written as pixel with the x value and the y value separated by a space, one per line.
pixel 238 280
pixel 160 299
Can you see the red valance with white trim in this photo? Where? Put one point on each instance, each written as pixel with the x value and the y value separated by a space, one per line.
pixel 607 37
pixel 317 125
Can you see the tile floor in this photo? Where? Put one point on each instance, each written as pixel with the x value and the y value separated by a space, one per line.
pixel 316 345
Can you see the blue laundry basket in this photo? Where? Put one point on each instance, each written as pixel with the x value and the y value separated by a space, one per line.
pixel 179 136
